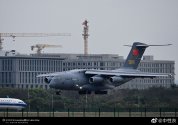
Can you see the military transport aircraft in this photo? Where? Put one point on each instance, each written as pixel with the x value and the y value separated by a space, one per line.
pixel 99 81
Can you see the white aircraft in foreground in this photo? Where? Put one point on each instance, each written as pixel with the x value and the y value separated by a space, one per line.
pixel 12 103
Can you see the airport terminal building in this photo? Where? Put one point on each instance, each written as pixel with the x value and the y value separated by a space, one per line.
pixel 20 71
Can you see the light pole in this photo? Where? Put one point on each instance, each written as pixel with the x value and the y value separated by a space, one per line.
pixel 52 102
pixel 28 100
pixel 86 101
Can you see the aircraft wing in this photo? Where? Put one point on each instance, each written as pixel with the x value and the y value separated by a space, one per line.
pixel 136 74
pixel 48 74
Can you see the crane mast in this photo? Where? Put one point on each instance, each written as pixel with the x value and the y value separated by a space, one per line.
pixel 85 36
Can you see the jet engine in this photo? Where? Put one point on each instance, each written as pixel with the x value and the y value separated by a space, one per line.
pixel 115 79
pixel 48 79
pixel 96 79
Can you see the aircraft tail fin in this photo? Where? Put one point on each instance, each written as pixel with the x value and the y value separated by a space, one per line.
pixel 136 53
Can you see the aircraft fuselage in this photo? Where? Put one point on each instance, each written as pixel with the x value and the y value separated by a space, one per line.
pixel 78 80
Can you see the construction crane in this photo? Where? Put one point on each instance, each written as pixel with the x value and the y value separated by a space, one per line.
pixel 42 46
pixel 13 35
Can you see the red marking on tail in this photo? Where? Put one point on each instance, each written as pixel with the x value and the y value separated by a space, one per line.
pixel 135 52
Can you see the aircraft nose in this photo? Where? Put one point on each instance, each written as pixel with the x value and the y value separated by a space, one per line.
pixel 54 82
pixel 52 85
pixel 25 104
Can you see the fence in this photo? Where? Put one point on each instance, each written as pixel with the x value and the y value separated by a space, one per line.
pixel 114 112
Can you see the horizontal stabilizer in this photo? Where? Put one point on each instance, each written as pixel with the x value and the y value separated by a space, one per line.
pixel 154 45
pixel 146 45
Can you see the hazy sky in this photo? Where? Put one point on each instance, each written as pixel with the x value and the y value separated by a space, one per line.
pixel 112 23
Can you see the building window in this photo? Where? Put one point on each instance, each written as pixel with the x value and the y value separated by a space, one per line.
pixel 89 64
pixel 101 64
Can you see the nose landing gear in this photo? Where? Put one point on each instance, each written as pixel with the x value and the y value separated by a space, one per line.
pixel 58 92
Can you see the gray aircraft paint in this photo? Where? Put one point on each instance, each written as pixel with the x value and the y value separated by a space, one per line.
pixel 87 80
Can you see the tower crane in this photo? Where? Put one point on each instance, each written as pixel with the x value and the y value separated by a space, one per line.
pixel 42 46
pixel 13 35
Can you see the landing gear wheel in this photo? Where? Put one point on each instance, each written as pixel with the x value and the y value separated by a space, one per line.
pixel 58 92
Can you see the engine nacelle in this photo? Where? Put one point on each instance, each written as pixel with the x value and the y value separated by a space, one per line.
pixel 115 79
pixel 48 79
pixel 96 79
